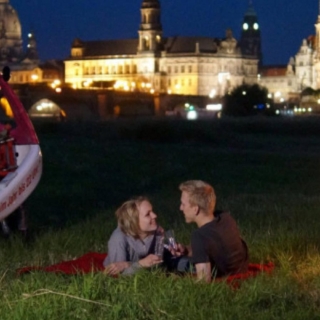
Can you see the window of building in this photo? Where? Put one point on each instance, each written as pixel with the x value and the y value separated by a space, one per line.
pixel 190 82
pixel 169 69
pixel 190 69
pixel 176 69
pixel 182 69
pixel 169 82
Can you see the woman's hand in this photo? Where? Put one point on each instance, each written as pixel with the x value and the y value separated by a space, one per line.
pixel 116 268
pixel 149 261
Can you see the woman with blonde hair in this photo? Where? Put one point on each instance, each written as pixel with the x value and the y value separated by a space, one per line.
pixel 133 243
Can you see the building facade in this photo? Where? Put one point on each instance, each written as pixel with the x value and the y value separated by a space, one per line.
pixel 302 71
pixel 154 63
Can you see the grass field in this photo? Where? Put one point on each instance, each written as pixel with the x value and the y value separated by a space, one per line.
pixel 265 171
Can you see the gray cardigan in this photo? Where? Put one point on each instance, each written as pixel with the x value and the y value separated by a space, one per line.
pixel 122 247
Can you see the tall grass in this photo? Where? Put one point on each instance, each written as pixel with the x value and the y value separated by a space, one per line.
pixel 266 172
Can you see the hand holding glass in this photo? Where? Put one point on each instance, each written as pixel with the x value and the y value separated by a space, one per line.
pixel 171 239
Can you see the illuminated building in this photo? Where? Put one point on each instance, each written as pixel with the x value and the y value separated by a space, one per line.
pixel 25 66
pixel 301 72
pixel 153 63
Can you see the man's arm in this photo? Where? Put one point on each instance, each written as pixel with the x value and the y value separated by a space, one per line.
pixel 203 271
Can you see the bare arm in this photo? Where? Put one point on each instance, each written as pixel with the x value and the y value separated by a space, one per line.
pixel 203 271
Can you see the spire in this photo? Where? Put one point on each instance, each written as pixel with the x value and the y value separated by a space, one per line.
pixel 250 42
pixel 32 52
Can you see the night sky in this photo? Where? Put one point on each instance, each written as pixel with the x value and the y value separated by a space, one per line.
pixel 284 23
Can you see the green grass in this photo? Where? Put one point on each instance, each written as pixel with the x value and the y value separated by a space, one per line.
pixel 266 172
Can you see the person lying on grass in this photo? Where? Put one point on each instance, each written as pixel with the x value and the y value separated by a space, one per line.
pixel 132 244
pixel 216 246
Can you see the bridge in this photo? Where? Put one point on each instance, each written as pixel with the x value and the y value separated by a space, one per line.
pixel 103 104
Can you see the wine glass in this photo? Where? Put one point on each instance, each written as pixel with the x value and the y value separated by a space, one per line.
pixel 169 234
pixel 159 246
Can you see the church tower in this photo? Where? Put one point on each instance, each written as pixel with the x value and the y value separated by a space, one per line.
pixel 250 41
pixel 32 52
pixel 150 32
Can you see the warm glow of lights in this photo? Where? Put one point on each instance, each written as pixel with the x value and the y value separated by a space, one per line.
pixel 244 93
pixel 214 107
pixel 212 93
pixel 55 83
pixel 169 91
pixel 87 83
pixel 192 115
pixel 34 77
pixel 277 94
pixel 152 91
pixel 58 90
pixel 269 95
pixel 223 76
pixel 6 107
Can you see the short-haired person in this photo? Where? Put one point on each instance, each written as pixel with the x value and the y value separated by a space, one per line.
pixel 216 246
pixel 132 244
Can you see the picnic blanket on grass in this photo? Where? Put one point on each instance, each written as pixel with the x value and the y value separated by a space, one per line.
pixel 93 262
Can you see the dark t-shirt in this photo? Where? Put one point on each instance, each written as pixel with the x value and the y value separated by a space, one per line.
pixel 219 243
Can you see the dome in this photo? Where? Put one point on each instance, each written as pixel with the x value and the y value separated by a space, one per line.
pixel 10 33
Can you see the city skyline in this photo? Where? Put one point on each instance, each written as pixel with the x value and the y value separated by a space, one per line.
pixel 56 24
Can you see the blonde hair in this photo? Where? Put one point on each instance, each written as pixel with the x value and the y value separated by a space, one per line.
pixel 201 194
pixel 128 216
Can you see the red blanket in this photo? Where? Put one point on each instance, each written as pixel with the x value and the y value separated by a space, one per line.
pixel 92 262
